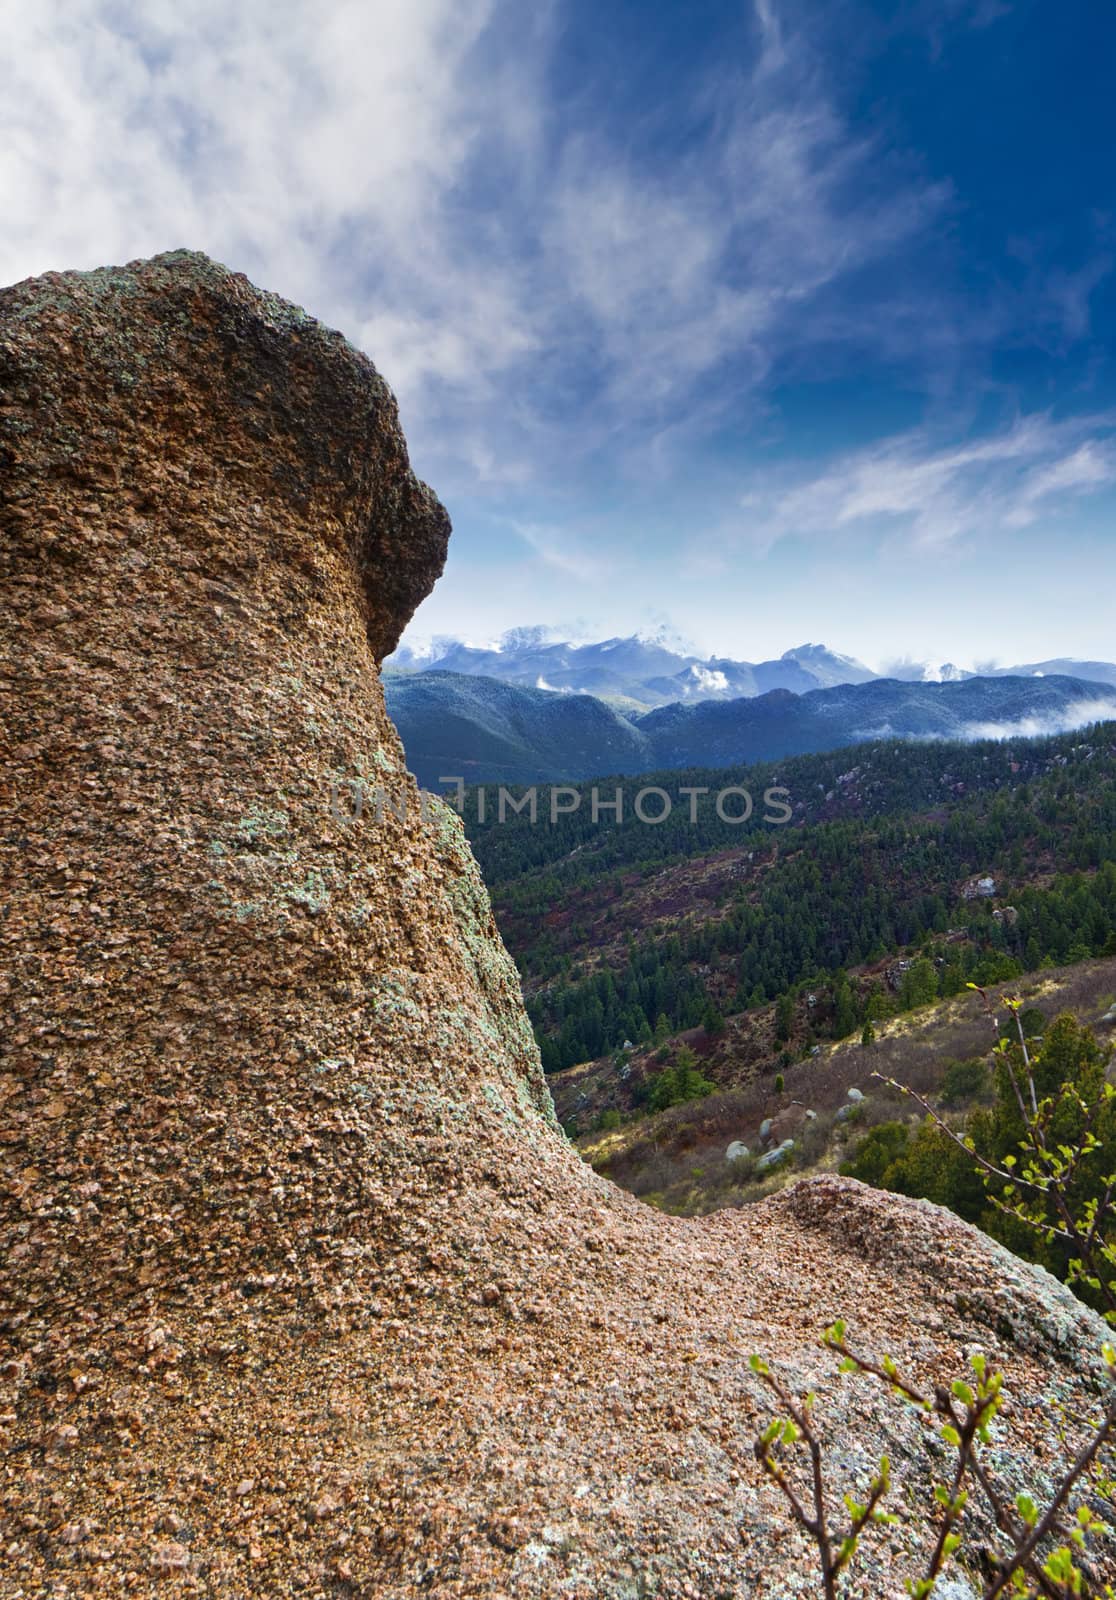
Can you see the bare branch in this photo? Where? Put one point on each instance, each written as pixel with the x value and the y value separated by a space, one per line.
pixel 1042 1528
pixel 988 1166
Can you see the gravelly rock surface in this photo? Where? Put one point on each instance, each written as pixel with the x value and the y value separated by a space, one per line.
pixel 302 1291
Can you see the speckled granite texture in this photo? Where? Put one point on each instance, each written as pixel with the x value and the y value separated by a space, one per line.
pixel 302 1291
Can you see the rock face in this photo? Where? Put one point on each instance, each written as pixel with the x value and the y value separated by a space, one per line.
pixel 301 1288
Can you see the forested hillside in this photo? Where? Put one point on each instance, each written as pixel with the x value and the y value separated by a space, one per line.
pixel 871 894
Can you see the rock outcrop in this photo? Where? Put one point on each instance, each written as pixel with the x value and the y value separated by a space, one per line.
pixel 301 1288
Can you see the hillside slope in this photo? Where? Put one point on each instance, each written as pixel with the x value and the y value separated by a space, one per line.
pixel 489 732
pixel 677 1157
pixel 986 858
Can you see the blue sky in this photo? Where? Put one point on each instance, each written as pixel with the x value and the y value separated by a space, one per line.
pixel 781 320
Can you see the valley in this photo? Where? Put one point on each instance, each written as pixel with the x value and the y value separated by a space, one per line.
pixel 693 982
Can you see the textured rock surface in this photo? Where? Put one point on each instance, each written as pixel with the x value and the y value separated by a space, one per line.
pixel 301 1289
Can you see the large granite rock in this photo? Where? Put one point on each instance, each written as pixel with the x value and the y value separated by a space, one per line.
pixel 302 1291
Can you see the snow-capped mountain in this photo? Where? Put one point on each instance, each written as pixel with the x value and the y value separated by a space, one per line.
pixel 656 667
pixel 638 672
pixel 1063 666
pixel 1058 667
pixel 907 671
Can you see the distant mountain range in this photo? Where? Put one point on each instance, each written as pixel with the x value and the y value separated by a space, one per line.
pixel 645 671
pixel 782 724
pixel 1063 666
pixel 1060 666
pixel 489 731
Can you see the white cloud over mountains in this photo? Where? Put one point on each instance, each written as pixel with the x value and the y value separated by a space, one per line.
pixel 528 279
pixel 1078 714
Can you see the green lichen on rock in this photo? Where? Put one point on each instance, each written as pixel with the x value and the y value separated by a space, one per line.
pixel 261 822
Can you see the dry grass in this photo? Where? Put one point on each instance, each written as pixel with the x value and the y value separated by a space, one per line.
pixel 675 1160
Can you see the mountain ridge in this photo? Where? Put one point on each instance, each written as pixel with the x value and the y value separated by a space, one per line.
pixel 645 670
pixel 486 731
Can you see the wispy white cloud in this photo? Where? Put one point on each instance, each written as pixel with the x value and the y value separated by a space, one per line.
pixel 1078 714
pixel 557 549
pixel 690 280
pixel 1070 293
pixel 317 147
pixel 1075 714
pixel 938 17
pixel 771 33
pixel 933 494
pixel 1087 468
pixel 532 288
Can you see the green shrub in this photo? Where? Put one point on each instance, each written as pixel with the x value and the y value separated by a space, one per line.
pixel 678 1083
pixel 1042 1154
pixel 712 1020
pixel 920 984
pixel 876 1152
pixel 934 1167
pixel 963 1080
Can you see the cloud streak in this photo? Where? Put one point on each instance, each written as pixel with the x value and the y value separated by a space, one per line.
pixel 935 495
pixel 1078 714
pixel 561 553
